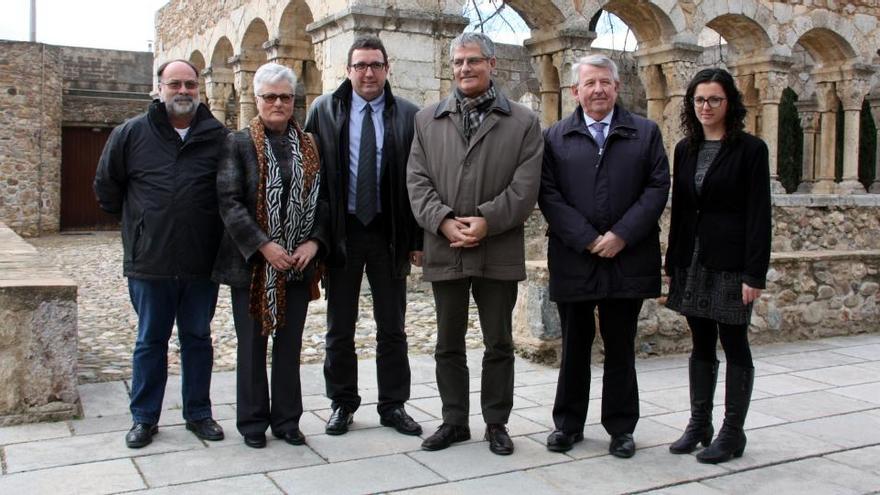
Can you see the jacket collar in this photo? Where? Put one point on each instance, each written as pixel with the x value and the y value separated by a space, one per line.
pixel 449 105
pixel 344 91
pixel 621 122
pixel 203 121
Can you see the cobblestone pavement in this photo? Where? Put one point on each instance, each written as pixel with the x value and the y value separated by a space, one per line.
pixel 107 322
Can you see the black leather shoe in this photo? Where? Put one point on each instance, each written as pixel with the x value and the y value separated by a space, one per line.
pixel 499 440
pixel 560 441
pixel 339 421
pixel 293 437
pixel 140 435
pixel 445 436
pixel 622 445
pixel 255 440
pixel 401 421
pixel 206 429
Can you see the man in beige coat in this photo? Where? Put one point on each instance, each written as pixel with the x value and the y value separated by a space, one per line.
pixel 473 177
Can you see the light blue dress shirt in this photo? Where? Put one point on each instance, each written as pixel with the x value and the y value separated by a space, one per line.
pixel 355 121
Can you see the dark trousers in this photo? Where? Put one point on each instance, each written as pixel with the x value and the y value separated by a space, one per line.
pixel 158 304
pixel 618 322
pixel 495 300
pixel 367 248
pixel 253 411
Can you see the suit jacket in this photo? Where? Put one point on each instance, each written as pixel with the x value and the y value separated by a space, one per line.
pixel 731 216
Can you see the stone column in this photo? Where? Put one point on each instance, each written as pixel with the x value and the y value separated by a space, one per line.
pixel 770 86
pixel 677 65
pixel 418 42
pixel 874 99
pixel 851 93
pixel 218 89
pixel 655 90
pixel 244 70
pixel 826 97
pixel 809 124
pixel 746 85
pixel 549 78
pixel 554 52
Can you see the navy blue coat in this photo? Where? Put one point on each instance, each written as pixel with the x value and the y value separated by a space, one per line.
pixel 584 195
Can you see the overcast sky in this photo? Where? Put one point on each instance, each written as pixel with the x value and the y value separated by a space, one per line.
pixel 116 24
pixel 128 24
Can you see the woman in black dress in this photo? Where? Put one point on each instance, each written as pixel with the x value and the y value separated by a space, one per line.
pixel 718 254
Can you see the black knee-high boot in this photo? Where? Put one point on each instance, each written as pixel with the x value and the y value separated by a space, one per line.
pixel 702 377
pixel 731 440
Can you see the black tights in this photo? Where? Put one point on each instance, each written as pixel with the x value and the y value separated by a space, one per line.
pixel 734 340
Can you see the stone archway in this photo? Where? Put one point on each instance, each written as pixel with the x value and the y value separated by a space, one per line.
pixel 219 87
pixel 196 58
pixel 250 57
pixel 293 48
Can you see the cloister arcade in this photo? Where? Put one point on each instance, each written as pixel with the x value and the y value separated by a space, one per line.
pixel 826 52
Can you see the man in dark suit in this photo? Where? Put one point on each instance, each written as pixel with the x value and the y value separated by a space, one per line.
pixel 604 185
pixel 364 134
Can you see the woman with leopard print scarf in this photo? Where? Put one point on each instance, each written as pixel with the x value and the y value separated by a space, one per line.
pixel 268 187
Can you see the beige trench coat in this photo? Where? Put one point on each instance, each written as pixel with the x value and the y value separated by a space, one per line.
pixel 496 175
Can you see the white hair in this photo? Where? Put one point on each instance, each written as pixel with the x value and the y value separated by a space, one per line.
pixel 596 60
pixel 273 73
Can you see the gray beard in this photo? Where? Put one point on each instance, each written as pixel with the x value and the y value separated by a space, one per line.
pixel 182 106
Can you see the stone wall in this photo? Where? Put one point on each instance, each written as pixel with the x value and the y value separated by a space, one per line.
pixel 38 337
pixel 30 136
pixel 810 294
pixel 42 89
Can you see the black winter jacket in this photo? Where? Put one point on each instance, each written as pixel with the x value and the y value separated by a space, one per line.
pixel 731 216
pixel 328 119
pixel 166 190
pixel 584 195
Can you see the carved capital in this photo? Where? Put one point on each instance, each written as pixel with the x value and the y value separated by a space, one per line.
pixel 653 80
pixel 218 91
pixel 852 92
pixel 770 86
pixel 826 97
pixel 678 74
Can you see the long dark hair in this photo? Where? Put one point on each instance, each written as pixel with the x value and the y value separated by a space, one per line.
pixel 734 120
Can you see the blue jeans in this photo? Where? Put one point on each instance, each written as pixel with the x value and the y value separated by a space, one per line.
pixel 158 304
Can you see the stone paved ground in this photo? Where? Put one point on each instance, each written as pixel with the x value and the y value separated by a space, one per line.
pixel 813 428
pixel 107 322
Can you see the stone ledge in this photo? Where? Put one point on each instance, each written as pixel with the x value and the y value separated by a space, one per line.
pixel 821 200
pixel 38 336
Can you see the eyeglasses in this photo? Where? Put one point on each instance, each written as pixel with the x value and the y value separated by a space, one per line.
pixel 271 98
pixel 713 101
pixel 362 67
pixel 175 84
pixel 459 62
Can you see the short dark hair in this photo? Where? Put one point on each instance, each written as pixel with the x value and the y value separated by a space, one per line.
pixel 162 67
pixel 367 43
pixel 734 120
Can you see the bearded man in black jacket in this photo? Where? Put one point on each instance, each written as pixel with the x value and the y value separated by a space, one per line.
pixel 159 171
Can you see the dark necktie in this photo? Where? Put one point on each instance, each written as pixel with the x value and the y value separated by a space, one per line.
pixel 599 134
pixel 365 206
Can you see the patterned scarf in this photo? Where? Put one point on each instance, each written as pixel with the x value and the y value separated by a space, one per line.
pixel 268 285
pixel 471 108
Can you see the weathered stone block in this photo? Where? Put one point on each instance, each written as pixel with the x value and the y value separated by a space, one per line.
pixel 38 338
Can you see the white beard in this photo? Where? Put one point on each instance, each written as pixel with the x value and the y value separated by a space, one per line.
pixel 182 106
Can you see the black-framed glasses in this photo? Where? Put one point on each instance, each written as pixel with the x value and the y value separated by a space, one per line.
pixel 362 66
pixel 471 61
pixel 713 101
pixel 175 84
pixel 271 98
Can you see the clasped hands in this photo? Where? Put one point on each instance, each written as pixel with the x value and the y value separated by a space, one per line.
pixel 607 245
pixel 278 257
pixel 464 232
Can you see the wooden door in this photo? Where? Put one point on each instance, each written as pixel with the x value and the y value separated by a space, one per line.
pixel 80 150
